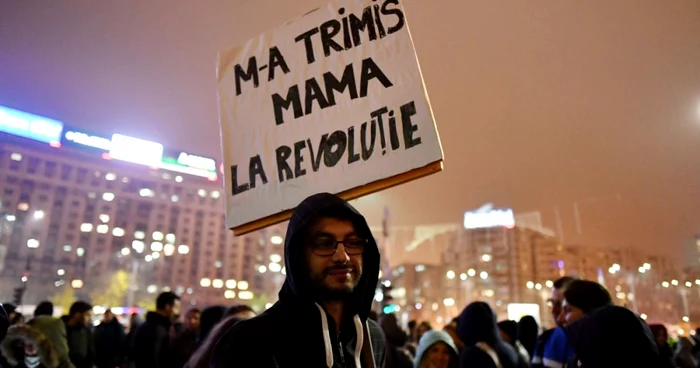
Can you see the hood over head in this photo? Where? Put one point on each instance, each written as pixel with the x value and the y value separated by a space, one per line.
pixel 477 323
pixel 395 336
pixel 18 336
pixel 296 284
pixel 613 336
pixel 297 291
pixel 431 338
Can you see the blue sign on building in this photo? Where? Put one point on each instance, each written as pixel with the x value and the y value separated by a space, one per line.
pixel 30 126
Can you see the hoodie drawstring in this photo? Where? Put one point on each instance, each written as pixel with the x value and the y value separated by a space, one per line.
pixel 326 337
pixel 359 333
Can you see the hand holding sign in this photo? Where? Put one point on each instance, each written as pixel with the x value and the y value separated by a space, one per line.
pixel 338 105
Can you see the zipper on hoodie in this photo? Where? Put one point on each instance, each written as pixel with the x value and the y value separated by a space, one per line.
pixel 340 352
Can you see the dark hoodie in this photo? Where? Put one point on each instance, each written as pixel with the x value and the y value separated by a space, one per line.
pixel 151 347
pixel 298 332
pixel 477 323
pixel 613 337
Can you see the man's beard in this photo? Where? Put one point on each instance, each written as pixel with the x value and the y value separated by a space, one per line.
pixel 324 292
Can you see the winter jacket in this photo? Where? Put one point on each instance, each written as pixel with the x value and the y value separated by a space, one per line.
pixel 297 331
pixel 151 345
pixel 18 336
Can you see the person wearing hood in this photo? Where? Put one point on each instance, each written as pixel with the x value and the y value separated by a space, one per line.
pixel 612 337
pixel 660 334
pixel 508 330
pixel 397 356
pixel 436 350
pixel 321 317
pixel 41 344
pixel 151 347
pixel 527 333
pixel 483 346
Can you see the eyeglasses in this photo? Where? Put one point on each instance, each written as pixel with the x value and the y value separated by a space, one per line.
pixel 328 246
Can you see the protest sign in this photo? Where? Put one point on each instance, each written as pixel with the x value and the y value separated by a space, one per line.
pixel 331 102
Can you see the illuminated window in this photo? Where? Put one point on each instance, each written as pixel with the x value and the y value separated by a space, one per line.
pixel 86 228
pixel 202 193
pixel 183 249
pixel 218 264
pixel 33 243
pixel 14 156
pixel 80 252
pixel 138 246
pixel 215 194
pixel 170 238
pixel 168 249
pixel 125 180
pixel 229 294
pixel 92 195
pixel 104 218
pixel 102 229
pixel 155 255
pixel 178 179
pixel 174 198
pixel 108 197
pixel 145 192
pixel 231 284
pixel 157 235
pixel 156 246
pixel 139 235
pixel 245 295
pixel 67 248
pixel 117 231
pixel 217 283
pixel 110 177
pixel 243 285
pixel 23 206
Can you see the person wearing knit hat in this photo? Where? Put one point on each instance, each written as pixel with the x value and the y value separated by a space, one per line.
pixel 581 298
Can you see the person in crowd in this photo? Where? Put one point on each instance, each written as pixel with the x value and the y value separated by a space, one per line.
pixel 44 308
pixel 11 311
pixel 436 350
pixel 451 328
pixel 683 358
pixel 660 334
pixel 4 325
pixel 135 321
pixel 27 346
pixel 396 355
pixel 612 337
pixel 151 346
pixel 241 311
pixel 422 328
pixel 552 349
pixel 185 343
pixel 527 333
pixel 483 346
pixel 582 297
pixel 18 319
pixel 202 356
pixel 110 342
pixel 508 330
pixel 211 316
pixel 373 316
pixel 78 324
pixel 55 330
pixel 412 324
pixel 332 265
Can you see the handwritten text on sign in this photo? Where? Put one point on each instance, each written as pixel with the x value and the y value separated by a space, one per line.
pixel 308 106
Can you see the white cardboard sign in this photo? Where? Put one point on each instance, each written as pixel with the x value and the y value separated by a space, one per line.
pixel 331 102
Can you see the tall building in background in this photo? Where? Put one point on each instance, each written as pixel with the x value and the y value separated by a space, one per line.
pixel 77 208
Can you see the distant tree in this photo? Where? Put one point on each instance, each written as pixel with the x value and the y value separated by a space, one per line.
pixel 113 291
pixel 64 298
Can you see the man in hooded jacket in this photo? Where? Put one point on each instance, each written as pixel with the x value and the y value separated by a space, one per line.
pixel 321 318
pixel 483 346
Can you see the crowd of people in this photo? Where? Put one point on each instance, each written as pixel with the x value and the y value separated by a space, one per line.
pixel 159 341
pixel 324 318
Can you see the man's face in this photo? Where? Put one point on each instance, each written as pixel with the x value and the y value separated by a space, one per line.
pixel 555 304
pixel 173 310
pixel 193 320
pixel 87 318
pixel 107 317
pixel 335 274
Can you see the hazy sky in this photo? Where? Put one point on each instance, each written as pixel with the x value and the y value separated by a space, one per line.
pixel 539 103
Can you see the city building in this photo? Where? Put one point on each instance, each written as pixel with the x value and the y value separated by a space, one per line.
pixel 76 207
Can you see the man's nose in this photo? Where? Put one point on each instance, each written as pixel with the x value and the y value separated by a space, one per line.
pixel 340 255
